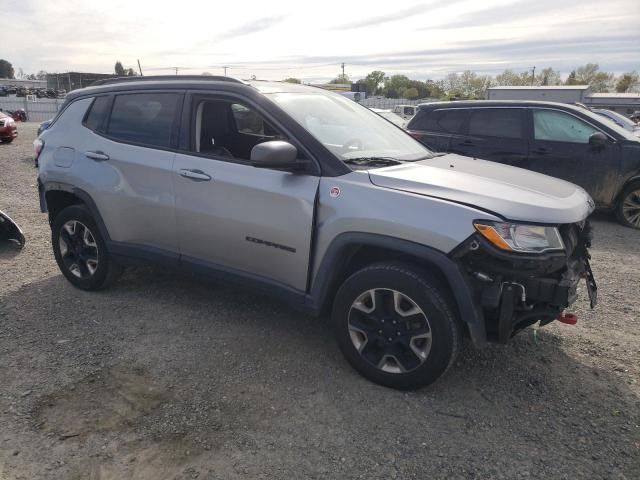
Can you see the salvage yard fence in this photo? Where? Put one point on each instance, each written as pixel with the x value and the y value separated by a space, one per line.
pixel 38 109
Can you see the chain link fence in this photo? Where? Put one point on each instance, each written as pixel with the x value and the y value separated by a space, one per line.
pixel 38 109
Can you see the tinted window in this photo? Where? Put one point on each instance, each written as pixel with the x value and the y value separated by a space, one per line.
pixel 496 122
pixel 449 121
pixel 560 127
pixel 97 113
pixel 145 118
pixel 248 121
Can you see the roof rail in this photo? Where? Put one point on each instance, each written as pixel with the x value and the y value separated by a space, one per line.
pixel 142 78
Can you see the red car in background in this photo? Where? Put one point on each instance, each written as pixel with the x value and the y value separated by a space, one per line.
pixel 8 129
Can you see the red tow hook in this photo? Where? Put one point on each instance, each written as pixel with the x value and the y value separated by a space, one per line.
pixel 568 318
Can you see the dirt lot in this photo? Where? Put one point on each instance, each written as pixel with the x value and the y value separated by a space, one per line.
pixel 167 376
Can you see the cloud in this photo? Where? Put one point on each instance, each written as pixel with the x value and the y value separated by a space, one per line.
pixel 254 26
pixel 389 17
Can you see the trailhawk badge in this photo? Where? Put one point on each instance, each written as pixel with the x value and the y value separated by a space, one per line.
pixel 334 192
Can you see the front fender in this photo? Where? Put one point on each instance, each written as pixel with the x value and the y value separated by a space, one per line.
pixel 340 248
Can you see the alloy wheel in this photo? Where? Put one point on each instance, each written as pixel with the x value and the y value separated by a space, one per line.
pixel 78 249
pixel 631 208
pixel 389 330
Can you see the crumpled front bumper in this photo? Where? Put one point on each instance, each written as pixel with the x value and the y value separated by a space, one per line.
pixel 515 291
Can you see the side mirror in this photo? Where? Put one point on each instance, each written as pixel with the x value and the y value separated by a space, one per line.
pixel 275 154
pixel 597 140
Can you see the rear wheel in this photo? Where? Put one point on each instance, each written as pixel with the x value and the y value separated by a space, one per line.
pixel 395 325
pixel 7 140
pixel 628 208
pixel 80 250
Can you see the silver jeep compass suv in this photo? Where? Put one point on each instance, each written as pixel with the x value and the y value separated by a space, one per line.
pixel 311 197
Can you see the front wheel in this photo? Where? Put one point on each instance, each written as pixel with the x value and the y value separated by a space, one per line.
pixel 628 208
pixel 80 250
pixel 395 324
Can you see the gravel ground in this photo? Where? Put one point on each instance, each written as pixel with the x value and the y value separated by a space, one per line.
pixel 167 376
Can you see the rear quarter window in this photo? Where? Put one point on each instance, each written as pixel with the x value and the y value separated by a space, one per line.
pixel 97 114
pixel 144 118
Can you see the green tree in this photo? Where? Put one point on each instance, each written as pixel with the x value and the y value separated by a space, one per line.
pixel 41 75
pixel 373 81
pixel 628 82
pixel 591 75
pixel 571 79
pixel 472 85
pixel 119 69
pixel 6 69
pixel 410 93
pixel 548 76
pixel 292 80
pixel 341 79
pixel 434 89
pixel 509 78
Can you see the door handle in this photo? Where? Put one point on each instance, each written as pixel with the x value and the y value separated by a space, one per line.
pixel 195 175
pixel 98 156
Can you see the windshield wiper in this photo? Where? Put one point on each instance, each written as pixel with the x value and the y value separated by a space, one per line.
pixel 372 161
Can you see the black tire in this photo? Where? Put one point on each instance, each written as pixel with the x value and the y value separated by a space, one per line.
pixel 105 272
pixel 629 196
pixel 426 292
pixel 7 140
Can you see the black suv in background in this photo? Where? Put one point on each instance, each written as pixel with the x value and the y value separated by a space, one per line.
pixel 560 140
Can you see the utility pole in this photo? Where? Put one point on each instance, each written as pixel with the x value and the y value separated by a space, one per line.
pixel 342 70
pixel 533 75
pixel 225 70
pixel 176 71
pixel 139 67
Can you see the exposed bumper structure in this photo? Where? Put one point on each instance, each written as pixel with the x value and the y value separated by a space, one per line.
pixel 516 291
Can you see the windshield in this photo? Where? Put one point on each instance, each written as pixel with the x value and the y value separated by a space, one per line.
pixel 619 119
pixel 611 125
pixel 348 129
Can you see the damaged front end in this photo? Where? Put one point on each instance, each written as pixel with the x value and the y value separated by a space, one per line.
pixel 520 278
pixel 10 231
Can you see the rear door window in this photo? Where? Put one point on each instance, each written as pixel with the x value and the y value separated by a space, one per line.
pixel 555 126
pixel 447 121
pixel 144 118
pixel 496 122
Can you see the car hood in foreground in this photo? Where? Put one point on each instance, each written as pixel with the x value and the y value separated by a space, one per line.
pixel 510 192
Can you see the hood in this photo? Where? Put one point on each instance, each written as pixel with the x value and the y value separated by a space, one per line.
pixel 512 193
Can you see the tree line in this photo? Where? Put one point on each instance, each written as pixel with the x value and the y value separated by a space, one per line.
pixel 471 85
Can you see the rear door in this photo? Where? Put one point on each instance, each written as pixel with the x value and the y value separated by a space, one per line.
pixel 235 216
pixel 441 130
pixel 497 134
pixel 560 147
pixel 127 159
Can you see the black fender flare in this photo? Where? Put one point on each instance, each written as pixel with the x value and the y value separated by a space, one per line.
pixel 337 254
pixel 78 192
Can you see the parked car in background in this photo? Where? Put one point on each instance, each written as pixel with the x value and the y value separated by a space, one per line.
pixel 316 200
pixel 11 89
pixel 560 140
pixel 391 116
pixel 619 120
pixel 405 111
pixel 4 92
pixel 8 128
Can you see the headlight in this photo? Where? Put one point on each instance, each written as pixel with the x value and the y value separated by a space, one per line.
pixel 516 237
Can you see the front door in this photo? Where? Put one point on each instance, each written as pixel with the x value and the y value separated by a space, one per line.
pixel 560 147
pixel 233 215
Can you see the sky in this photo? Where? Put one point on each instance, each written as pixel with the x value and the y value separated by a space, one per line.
pixel 276 39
